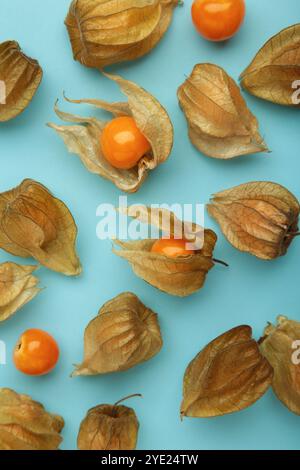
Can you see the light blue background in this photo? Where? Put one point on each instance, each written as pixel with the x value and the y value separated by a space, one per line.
pixel 250 291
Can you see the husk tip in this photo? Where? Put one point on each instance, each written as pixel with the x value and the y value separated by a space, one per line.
pixel 75 372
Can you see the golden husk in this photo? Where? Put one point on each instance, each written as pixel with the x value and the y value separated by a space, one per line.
pixel 228 375
pixel 274 73
pixel 260 218
pixel 26 425
pixel 109 427
pixel 124 333
pixel 281 345
pixel 20 76
pixel 219 121
pixel 105 32
pixel 180 276
pixel 33 223
pixel 17 287
pixel 151 118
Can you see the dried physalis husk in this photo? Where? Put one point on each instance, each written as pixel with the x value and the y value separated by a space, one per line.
pixel 220 123
pixel 280 345
pixel 17 287
pixel 33 223
pixel 228 375
pixel 124 333
pixel 20 77
pixel 273 75
pixel 260 218
pixel 151 119
pixel 109 427
pixel 105 32
pixel 180 276
pixel 26 425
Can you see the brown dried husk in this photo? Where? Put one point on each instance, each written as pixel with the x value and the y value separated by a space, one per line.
pixel 26 425
pixel 105 32
pixel 151 118
pixel 228 375
pixel 277 346
pixel 260 218
pixel 108 427
pixel 21 75
pixel 33 223
pixel 124 333
pixel 219 121
pixel 276 68
pixel 180 276
pixel 17 287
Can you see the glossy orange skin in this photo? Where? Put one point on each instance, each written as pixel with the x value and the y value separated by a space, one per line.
pixel 218 20
pixel 36 353
pixel 123 144
pixel 171 248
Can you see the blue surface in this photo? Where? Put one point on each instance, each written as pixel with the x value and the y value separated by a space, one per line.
pixel 250 291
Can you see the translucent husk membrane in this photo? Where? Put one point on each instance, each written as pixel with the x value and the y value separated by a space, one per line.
pixel 83 138
pixel 108 32
pixel 180 276
pixel 260 218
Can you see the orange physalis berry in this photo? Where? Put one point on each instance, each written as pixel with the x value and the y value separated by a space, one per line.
pixel 123 144
pixel 36 353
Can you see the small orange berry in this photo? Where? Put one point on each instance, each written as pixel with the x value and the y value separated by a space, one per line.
pixel 171 247
pixel 36 352
pixel 123 144
pixel 218 20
